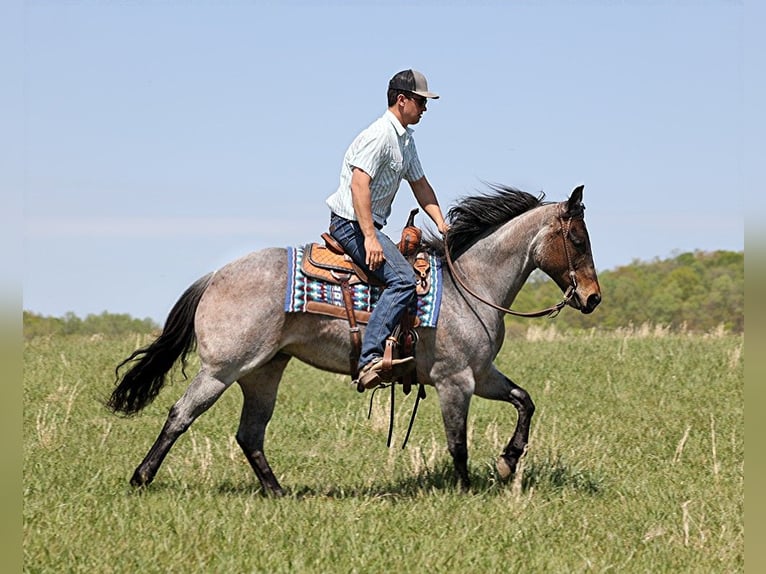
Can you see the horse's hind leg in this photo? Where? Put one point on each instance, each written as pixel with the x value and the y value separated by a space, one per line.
pixel 259 389
pixel 454 400
pixel 203 391
pixel 499 387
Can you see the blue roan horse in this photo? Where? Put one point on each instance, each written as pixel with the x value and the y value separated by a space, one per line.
pixel 243 335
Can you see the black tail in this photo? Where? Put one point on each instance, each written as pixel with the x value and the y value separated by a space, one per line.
pixel 141 384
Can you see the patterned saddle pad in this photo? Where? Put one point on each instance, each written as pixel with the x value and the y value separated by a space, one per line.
pixel 307 294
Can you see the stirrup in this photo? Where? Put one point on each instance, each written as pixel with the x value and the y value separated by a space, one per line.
pixel 375 373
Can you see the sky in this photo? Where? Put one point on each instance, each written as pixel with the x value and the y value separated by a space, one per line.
pixel 156 141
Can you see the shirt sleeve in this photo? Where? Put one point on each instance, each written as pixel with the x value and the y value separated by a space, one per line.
pixel 367 153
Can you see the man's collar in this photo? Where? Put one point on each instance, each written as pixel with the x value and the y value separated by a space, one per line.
pixel 400 129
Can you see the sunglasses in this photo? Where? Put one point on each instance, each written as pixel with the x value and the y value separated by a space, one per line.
pixel 419 100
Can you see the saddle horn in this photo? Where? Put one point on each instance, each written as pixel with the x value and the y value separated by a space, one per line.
pixel 411 236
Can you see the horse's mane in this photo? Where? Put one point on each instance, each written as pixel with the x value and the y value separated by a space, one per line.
pixel 477 216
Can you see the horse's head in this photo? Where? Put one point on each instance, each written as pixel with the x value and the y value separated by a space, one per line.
pixel 565 255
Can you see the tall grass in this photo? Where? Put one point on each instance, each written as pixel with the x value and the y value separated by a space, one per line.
pixel 635 464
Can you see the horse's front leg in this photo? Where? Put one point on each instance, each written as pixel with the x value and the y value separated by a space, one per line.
pixel 454 400
pixel 500 388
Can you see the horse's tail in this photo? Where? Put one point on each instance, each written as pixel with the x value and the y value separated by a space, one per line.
pixel 143 381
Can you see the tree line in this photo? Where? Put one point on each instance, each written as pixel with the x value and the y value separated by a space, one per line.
pixel 106 323
pixel 696 291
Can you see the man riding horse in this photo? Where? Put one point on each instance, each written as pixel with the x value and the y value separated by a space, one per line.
pixel 373 167
pixel 236 316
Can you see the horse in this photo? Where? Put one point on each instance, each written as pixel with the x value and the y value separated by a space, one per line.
pixel 235 316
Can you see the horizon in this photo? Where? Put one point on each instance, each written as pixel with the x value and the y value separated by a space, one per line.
pixel 161 320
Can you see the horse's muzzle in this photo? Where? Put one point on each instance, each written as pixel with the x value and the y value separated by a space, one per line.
pixel 591 303
pixel 588 305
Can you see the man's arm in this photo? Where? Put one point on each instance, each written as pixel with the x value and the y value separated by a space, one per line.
pixel 426 197
pixel 361 197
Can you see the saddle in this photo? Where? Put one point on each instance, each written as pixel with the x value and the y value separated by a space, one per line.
pixel 328 262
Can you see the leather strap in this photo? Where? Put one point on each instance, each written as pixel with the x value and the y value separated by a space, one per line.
pixel 353 329
pixel 407 342
pixel 388 352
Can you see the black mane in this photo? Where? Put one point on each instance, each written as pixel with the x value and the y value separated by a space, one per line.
pixel 477 216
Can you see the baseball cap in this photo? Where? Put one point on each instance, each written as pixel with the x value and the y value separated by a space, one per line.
pixel 411 81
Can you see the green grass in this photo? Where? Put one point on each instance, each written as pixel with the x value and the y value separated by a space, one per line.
pixel 635 464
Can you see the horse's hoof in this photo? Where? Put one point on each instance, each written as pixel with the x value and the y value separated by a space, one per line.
pixel 139 479
pixel 505 468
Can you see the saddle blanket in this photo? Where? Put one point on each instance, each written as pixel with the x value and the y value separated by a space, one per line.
pixel 303 290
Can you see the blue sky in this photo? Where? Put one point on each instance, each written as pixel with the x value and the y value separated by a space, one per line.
pixel 161 140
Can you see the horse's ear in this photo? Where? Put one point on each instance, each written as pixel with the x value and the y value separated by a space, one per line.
pixel 575 200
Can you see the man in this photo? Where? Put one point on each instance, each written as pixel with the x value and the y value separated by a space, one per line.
pixel 373 167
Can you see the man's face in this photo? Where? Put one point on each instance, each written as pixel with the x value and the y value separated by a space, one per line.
pixel 414 106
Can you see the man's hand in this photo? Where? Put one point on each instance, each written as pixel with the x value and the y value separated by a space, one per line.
pixel 374 252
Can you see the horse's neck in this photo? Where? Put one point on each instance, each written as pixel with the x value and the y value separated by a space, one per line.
pixel 502 262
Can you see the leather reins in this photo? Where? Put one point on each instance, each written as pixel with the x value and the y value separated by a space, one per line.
pixel 550 311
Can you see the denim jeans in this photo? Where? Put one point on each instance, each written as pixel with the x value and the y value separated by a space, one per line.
pixel 397 274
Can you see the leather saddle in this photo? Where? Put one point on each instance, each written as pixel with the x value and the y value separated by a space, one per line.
pixel 328 262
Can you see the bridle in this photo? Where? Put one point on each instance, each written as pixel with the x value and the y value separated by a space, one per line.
pixel 565 223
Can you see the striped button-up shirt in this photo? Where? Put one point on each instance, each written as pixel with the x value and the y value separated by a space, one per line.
pixel 386 152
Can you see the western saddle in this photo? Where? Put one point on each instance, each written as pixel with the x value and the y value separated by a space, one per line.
pixel 331 264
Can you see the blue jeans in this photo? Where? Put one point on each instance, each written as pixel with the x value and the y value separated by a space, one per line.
pixel 397 274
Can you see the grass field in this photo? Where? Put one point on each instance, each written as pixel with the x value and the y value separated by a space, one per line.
pixel 635 464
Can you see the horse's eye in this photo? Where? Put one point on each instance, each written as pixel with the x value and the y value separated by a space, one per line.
pixel 577 240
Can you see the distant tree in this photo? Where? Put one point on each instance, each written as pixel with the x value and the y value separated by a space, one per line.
pixel 696 290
